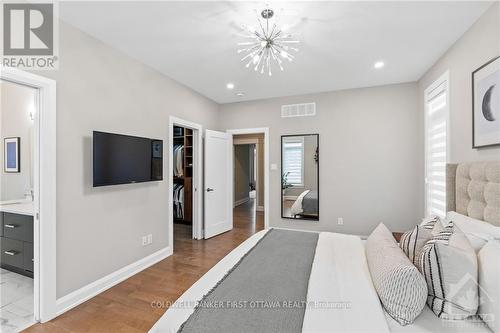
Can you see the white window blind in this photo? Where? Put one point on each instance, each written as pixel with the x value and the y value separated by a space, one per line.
pixel 293 161
pixel 436 118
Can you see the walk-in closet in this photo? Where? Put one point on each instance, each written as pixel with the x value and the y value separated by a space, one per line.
pixel 183 175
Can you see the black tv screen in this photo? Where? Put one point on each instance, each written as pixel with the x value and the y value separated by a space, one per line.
pixel 124 159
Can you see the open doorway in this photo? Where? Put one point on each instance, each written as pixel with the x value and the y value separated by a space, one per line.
pixel 184 180
pixel 38 205
pixel 248 180
pixel 17 209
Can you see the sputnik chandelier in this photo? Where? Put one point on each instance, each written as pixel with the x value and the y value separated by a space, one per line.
pixel 267 45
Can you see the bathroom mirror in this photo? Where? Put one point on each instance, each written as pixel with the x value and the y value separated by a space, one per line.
pixel 300 177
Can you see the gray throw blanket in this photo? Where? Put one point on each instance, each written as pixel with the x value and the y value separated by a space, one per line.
pixel 264 292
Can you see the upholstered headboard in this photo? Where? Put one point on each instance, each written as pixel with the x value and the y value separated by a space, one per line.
pixel 473 189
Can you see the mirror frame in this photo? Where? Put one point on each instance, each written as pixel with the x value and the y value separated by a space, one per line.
pixel 313 219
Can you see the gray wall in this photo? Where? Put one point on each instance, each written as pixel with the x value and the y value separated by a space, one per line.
pixel 16 103
pixel 99 230
pixel 370 154
pixel 241 172
pixel 477 46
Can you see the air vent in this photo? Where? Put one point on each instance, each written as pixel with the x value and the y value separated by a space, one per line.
pixel 298 110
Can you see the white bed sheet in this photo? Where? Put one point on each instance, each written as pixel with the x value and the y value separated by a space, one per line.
pixel 340 274
pixel 428 322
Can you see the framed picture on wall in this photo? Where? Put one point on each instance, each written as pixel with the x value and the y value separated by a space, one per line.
pixel 486 105
pixel 11 155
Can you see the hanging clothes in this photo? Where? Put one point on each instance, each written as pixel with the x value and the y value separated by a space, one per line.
pixel 178 197
pixel 178 160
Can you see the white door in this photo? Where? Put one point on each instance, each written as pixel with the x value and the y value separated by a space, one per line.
pixel 218 192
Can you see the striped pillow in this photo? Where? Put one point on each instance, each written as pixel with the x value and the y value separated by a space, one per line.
pixel 449 265
pixel 400 286
pixel 430 221
pixel 414 240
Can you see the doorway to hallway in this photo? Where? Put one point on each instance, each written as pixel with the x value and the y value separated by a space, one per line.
pixel 248 178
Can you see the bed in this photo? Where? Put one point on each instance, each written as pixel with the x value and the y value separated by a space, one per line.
pixel 340 295
pixel 306 204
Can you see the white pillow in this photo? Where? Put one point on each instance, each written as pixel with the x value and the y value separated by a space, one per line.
pixel 449 265
pixel 478 232
pixel 399 285
pixel 489 285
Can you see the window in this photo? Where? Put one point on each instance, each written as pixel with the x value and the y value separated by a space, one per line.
pixel 293 160
pixel 436 127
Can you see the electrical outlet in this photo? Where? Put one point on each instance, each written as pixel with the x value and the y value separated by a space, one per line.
pixel 340 221
pixel 144 240
pixel 150 239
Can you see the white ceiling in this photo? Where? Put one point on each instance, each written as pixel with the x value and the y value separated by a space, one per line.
pixel 195 42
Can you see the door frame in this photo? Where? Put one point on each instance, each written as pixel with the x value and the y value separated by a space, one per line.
pixel 260 130
pixel 197 177
pixel 44 188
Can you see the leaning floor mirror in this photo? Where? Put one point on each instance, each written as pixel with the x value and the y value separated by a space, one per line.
pixel 300 177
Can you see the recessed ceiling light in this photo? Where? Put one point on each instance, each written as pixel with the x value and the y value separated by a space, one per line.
pixel 240 94
pixel 379 64
pixel 230 86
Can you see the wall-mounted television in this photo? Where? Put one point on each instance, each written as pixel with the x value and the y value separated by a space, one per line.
pixel 125 159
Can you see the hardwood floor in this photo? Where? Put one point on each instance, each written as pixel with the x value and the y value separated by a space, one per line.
pixel 127 307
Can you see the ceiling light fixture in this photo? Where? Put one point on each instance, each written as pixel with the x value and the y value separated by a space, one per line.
pixel 267 43
pixel 230 86
pixel 240 94
pixel 379 64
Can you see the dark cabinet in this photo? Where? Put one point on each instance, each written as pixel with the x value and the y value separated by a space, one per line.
pixel 12 252
pixel 16 243
pixel 17 226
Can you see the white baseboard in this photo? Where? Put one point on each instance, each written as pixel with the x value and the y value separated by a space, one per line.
pixel 260 208
pixel 83 294
pixel 241 201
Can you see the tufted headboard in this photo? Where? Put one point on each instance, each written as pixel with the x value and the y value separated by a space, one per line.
pixel 473 189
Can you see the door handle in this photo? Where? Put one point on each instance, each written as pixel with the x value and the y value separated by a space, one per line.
pixel 11 253
pixel 10 226
pixel 210 189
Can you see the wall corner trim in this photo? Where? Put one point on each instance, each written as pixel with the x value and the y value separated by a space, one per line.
pixel 85 293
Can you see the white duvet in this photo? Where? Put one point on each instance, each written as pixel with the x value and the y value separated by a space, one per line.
pixel 341 296
pixel 296 208
pixel 340 275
